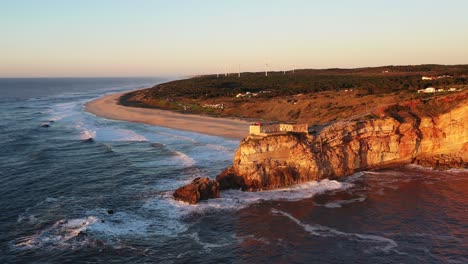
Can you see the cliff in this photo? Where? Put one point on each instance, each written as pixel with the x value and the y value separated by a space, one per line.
pixel 433 133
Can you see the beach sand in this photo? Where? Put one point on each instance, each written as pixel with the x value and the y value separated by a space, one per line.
pixel 107 107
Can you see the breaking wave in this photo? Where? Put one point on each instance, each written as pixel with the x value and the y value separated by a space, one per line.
pixel 61 234
pixel 236 199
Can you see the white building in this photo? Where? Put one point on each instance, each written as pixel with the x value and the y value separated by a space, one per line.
pixel 427 90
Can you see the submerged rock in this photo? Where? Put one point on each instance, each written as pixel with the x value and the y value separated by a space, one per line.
pixel 198 189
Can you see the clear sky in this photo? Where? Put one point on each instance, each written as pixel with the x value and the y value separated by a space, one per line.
pixel 176 37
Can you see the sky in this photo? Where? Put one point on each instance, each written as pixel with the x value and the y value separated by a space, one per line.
pixel 66 38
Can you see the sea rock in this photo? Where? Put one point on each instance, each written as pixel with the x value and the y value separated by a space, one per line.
pixel 198 189
pixel 345 147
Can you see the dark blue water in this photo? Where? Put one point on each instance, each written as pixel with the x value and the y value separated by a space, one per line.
pixel 56 188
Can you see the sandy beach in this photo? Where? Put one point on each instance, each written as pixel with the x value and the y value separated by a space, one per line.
pixel 107 107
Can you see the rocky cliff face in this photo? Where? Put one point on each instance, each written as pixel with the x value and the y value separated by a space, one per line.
pixel 398 137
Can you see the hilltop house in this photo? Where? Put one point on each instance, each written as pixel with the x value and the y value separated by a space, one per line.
pixel 431 78
pixel 427 90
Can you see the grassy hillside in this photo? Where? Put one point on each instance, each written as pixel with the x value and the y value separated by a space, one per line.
pixel 311 96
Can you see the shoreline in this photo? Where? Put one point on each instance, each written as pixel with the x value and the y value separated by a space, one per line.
pixel 108 107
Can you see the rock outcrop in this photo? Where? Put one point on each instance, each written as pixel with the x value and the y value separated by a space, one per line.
pixel 198 189
pixel 415 132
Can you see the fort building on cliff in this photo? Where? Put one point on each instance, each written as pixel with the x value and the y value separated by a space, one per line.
pixel 276 128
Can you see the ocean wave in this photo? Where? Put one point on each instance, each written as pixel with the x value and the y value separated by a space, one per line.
pixel 87 134
pixel 118 134
pixel 380 243
pixel 61 111
pixel 60 234
pixel 220 148
pixel 99 228
pixel 184 158
pixel 120 224
pixel 236 199
pixel 106 134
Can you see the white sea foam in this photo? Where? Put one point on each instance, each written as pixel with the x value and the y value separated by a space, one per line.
pixel 220 148
pixel 184 159
pixel 419 167
pixel 107 134
pixel 60 234
pixel 241 239
pixel 206 246
pixel 179 137
pixel 236 199
pixel 78 232
pixel 380 243
pixel 87 134
pixel 458 170
pixel 121 224
pixel 339 203
pixel 117 134
pixel 29 218
pixel 62 110
pixel 51 200
pixel 354 177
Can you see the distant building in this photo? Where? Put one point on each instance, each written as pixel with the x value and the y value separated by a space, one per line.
pixel 219 106
pixel 431 78
pixel 427 90
pixel 428 78
pixel 246 94
pixel 276 128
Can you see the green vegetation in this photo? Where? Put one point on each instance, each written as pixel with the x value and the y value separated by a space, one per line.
pixel 308 96
pixel 379 80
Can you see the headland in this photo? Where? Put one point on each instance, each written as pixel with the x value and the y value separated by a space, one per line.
pixel 347 120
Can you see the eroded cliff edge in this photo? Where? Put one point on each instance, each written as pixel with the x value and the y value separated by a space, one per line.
pixel 433 132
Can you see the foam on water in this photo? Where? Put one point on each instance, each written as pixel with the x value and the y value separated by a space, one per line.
pixel 60 234
pixel 118 134
pixel 236 199
pixel 339 203
pixel 107 134
pixel 60 111
pixel 179 137
pixel 220 148
pixel 206 246
pixel 86 133
pixel 379 243
pixel 184 159
pixel 79 232
pixel 120 224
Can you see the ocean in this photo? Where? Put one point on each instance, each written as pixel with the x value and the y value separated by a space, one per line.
pixel 68 199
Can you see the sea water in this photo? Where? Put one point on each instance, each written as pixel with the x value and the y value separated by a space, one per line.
pixel 66 198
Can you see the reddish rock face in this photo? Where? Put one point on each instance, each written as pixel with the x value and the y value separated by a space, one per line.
pixel 345 147
pixel 198 189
